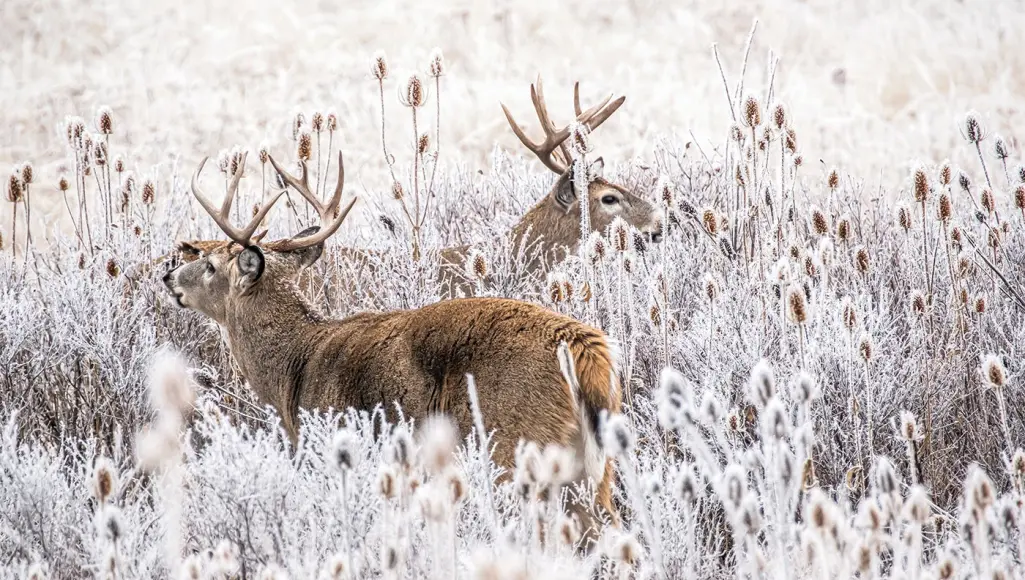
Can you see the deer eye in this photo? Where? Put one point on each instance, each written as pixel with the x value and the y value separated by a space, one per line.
pixel 609 199
pixel 210 268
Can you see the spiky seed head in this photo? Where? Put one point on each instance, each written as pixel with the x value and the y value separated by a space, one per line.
pixel 597 247
pixel 790 141
pixel 819 222
pixel 917 303
pixel 921 185
pixel 987 200
pixel 108 523
pixel 263 152
pixel 917 506
pixel 1000 148
pixel 710 221
pixel 567 288
pixel 885 477
pixel 833 180
pixel 945 209
pixel 113 269
pixel 104 480
pixel 904 217
pixel 779 116
pixel 1 242
pixel 379 66
pixel 993 238
pixel 619 235
pixel 711 286
pixel 809 266
pixel 414 93
pixel 979 489
pixel 569 532
pixel 437 66
pixel 317 122
pixel 945 173
pixel 909 429
pixel 1019 197
pixel 386 481
pixel 15 188
pixel 865 346
pixel 843 229
pixel 993 371
pixel 304 146
pixel 1020 172
pixel 861 260
pixel 796 307
pixel 980 304
pixel 337 567
pixel 955 238
pixel 1018 463
pixel 973 132
pixel 298 122
pixel 585 292
pixel 964 181
pixel 344 450
pixel 736 133
pixel 555 287
pixel 667 193
pixel 423 144
pixel 805 388
pixel 477 265
pixel 149 190
pixel 332 121
pixel 62 183
pixel 798 160
pixel 27 173
pixel 105 120
pixel 752 112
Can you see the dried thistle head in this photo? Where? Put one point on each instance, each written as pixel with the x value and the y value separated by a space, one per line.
pixel 986 200
pixel 113 269
pixel 779 116
pixel 736 133
pixel 980 304
pixel 710 286
pixel 904 217
pixel 15 189
pixel 945 173
pixel 921 185
pixel 596 247
pixel 993 371
pixel 414 94
pixel 833 180
pixel 437 66
pixel 619 234
pixel 476 264
pixel 27 173
pixel 865 346
pixel 917 303
pixel 972 129
pixel 790 141
pixel 964 181
pixel 556 288
pixel 104 480
pixel 796 306
pixel 1019 197
pixel 843 229
pixel 909 428
pixel 752 112
pixel 710 221
pixel 304 147
pixel 263 152
pixel 148 192
pixel 105 120
pixel 861 260
pixel 397 190
pixel 379 66
pixel 993 238
pixel 955 238
pixel 440 439
pixel 423 144
pixel 332 122
pixel 344 451
pixel 62 183
pixel 819 222
pixel 317 122
pixel 945 208
pixel 1000 149
pixel 667 193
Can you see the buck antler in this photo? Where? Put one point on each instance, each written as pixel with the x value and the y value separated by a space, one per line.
pixel 555 139
pixel 331 219
pixel 244 236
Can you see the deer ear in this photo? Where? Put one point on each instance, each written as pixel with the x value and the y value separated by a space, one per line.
pixel 597 168
pixel 250 264
pixel 307 256
pixel 565 194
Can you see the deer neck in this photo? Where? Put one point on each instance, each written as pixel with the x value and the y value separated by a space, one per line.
pixel 271 331
pixel 554 231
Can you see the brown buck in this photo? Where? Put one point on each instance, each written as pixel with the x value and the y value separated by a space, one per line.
pixel 551 226
pixel 293 357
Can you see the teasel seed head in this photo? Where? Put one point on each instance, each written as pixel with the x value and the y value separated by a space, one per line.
pixel 779 116
pixel 861 260
pixel 909 429
pixel 833 180
pixel 955 238
pixel 618 436
pixel 344 450
pixel 711 286
pixel 921 186
pixel 332 121
pixel 379 66
pixel 972 129
pixel 917 303
pixel 304 150
pixel 711 222
pixel 437 66
pixel 809 266
pixel 655 314
pixel 105 120
pixel 423 144
pixel 790 141
pixel 263 152
pixel 752 112
pixel 843 229
pixel 298 122
pixel 62 183
pixel 945 209
pixel 477 265
pixel 980 304
pixel 317 122
pixel 904 217
pixel 27 173
pixel 104 480
pixel 865 346
pixel 555 287
pixel 386 481
pixel 736 133
pixel 113 269
pixel 1000 148
pixel 397 191
pixel 15 189
pixel 945 173
pixel 987 200
pixel 99 153
pixel 1018 463
pixel 585 292
pixel 993 371
pixel 819 222
pixel 668 193
pixel 796 307
pixel 597 247
pixel 964 181
pixel 414 94
pixel 1019 197
pixel 619 234
pixel 993 238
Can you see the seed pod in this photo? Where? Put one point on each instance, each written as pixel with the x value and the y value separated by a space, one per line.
pixel 423 143
pixel 944 209
pixel 752 112
pixel 921 186
pixel 304 150
pixel 437 66
pixel 105 120
pixel 904 218
pixel 818 220
pixel 779 116
pixel 414 94
pixel 710 221
pixel 1019 197
pixel 833 181
pixel 987 200
pixel 332 122
pixel 861 260
pixel 379 66
pixel 945 173
pixel 843 229
pixel 972 129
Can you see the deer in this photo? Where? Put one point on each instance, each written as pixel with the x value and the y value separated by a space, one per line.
pixel 293 357
pixel 551 228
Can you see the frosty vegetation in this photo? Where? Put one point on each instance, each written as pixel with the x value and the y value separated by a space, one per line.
pixel 821 382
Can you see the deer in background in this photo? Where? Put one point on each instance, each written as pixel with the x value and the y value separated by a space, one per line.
pixel 551 227
pixel 293 357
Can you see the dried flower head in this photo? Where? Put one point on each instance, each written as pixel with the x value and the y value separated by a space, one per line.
pixel 15 188
pixel 790 141
pixel 1000 149
pixel 401 450
pixel 752 112
pixel 332 122
pixel 27 173
pixel 619 235
pixel 298 122
pixel 617 435
pixel 955 238
pixel 971 129
pixel 476 264
pixel 904 217
pixel 921 185
pixel 964 181
pixel 843 229
pixel 1019 197
pixel 263 152
pixel 579 139
pixel 945 209
pixel 833 180
pixel 945 173
pixel 437 66
pixel 710 221
pixel 113 269
pixel 819 222
pixel 861 260
pixel 148 192
pixel 779 116
pixel 909 429
pixel 761 384
pixel 423 144
pixel 993 371
pixel 171 387
pixel 414 94
pixel 596 247
pixel 917 303
pixel 710 286
pixel 105 120
pixel 556 287
pixel 379 66
pixel 62 183
pixel 865 346
pixel 980 304
pixel 736 133
pixel 986 199
pixel 104 481
pixel 796 307
pixel 304 147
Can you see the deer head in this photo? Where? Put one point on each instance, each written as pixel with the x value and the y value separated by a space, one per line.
pixel 217 274
pixel 556 218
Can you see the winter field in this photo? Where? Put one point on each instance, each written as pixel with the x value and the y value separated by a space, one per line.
pixel 821 359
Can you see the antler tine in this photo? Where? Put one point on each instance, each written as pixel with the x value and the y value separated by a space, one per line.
pixel 336 197
pixel 318 237
pixel 229 196
pixel 300 184
pixel 244 236
pixel 598 114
